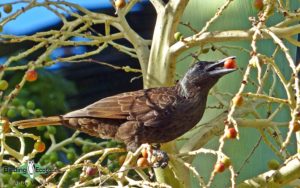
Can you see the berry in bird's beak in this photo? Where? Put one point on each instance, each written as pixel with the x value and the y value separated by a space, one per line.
pixel 230 63
pixel 223 66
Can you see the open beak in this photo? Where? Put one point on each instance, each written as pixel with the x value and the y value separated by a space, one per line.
pixel 218 69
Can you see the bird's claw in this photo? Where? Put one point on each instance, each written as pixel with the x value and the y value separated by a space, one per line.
pixel 160 159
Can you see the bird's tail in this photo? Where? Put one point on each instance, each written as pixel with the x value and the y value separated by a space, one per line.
pixel 53 120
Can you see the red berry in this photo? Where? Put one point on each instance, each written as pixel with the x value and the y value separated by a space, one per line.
pixel 39 146
pixel 231 133
pixel 219 167
pixel 230 64
pixel 91 171
pixel 258 4
pixel 142 162
pixel 31 75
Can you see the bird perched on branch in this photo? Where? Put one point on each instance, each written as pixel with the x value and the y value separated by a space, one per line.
pixel 155 115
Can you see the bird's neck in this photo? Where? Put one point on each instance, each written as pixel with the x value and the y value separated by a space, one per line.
pixel 187 90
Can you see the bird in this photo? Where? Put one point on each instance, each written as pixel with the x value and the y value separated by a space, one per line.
pixel 152 116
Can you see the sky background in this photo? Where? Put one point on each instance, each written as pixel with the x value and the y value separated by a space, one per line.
pixel 40 17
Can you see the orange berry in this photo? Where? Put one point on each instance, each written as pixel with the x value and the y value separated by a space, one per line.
pixel 258 4
pixel 226 161
pixel 121 159
pixel 230 64
pixel 31 75
pixel 39 146
pixel 231 133
pixel 238 100
pixel 219 167
pixel 296 126
pixel 144 153
pixel 120 4
pixel 5 125
pixel 142 162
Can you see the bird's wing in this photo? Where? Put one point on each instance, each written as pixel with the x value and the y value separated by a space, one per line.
pixel 143 105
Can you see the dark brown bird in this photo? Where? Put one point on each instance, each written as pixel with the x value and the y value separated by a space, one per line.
pixel 155 115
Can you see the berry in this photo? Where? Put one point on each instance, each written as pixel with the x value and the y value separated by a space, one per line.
pixel 15 175
pixel 91 171
pixel 231 133
pixel 230 64
pixel 238 100
pixel 16 102
pixel 39 146
pixel 296 126
pixel 24 113
pixel 178 36
pixel 74 173
pixel 120 4
pixel 71 156
pixel 28 183
pixel 30 105
pixel 86 148
pixel 226 161
pixel 121 159
pixel 53 157
pixel 273 164
pixel 258 4
pixel 5 125
pixel 219 167
pixel 11 113
pixel 142 162
pixel 111 144
pixel 59 164
pixel 51 130
pixel 7 8
pixel 47 135
pixel 38 112
pixel 41 128
pixel 31 75
pixel 3 85
pixel 45 159
pixel 144 153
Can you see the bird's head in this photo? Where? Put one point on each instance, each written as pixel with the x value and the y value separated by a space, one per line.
pixel 204 75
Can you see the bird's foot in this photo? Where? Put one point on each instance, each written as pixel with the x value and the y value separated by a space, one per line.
pixel 156 157
pixel 159 159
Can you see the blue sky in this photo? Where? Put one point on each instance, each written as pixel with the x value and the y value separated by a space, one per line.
pixel 40 17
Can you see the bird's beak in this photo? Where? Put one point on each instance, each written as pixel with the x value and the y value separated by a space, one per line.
pixel 218 69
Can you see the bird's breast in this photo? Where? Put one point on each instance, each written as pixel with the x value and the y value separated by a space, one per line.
pixel 187 113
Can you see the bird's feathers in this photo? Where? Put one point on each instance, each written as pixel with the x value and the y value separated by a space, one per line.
pixel 142 105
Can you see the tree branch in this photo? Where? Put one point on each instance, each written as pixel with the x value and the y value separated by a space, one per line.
pixel 286 174
pixel 233 35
